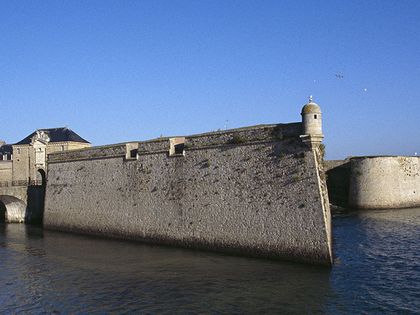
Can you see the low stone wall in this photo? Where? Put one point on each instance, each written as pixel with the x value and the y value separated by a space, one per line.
pixel 384 182
pixel 257 191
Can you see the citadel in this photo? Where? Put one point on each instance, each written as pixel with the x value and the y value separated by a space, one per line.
pixel 258 191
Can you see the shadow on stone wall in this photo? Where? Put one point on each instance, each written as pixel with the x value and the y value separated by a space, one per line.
pixel 338 183
pixel 2 212
pixel 35 207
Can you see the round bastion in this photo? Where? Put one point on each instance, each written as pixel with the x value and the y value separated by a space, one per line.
pixel 383 182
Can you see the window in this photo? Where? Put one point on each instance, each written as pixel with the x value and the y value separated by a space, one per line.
pixel 315 117
pixel 62 148
pixel 18 150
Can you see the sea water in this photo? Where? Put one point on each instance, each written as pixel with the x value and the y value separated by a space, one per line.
pixel 376 271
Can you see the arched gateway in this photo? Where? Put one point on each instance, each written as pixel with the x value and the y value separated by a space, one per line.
pixel 23 169
pixel 40 177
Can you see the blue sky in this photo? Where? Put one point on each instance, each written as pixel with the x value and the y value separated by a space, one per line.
pixel 116 71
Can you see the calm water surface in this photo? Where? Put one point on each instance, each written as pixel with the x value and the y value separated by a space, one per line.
pixel 377 270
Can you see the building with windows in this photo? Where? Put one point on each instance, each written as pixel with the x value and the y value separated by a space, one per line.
pixel 25 161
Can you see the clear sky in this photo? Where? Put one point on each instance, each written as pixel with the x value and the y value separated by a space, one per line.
pixel 116 71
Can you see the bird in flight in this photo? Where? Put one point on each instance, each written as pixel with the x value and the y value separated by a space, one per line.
pixel 339 76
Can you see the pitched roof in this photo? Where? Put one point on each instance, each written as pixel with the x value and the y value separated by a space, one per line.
pixel 63 134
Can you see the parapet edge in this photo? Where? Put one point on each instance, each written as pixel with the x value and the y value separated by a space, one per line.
pixel 237 136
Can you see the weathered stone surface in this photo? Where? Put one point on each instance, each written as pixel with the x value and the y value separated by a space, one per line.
pixel 381 182
pixel 15 209
pixel 256 191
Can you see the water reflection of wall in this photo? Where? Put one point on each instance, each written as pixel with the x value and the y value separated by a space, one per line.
pixel 379 262
pixel 82 274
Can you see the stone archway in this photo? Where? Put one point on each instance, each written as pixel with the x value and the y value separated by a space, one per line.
pixel 41 177
pixel 12 209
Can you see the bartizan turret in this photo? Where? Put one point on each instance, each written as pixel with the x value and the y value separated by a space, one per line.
pixel 312 124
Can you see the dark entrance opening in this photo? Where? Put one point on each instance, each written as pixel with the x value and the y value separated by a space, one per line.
pixel 40 178
pixel 133 153
pixel 179 149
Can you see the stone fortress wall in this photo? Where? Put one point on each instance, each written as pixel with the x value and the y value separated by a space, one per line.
pixel 382 182
pixel 258 191
pixel 374 182
pixel 6 170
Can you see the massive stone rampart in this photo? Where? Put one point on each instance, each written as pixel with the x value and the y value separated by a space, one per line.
pixel 256 191
pixel 381 182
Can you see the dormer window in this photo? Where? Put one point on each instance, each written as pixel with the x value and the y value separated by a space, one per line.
pixel 41 136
